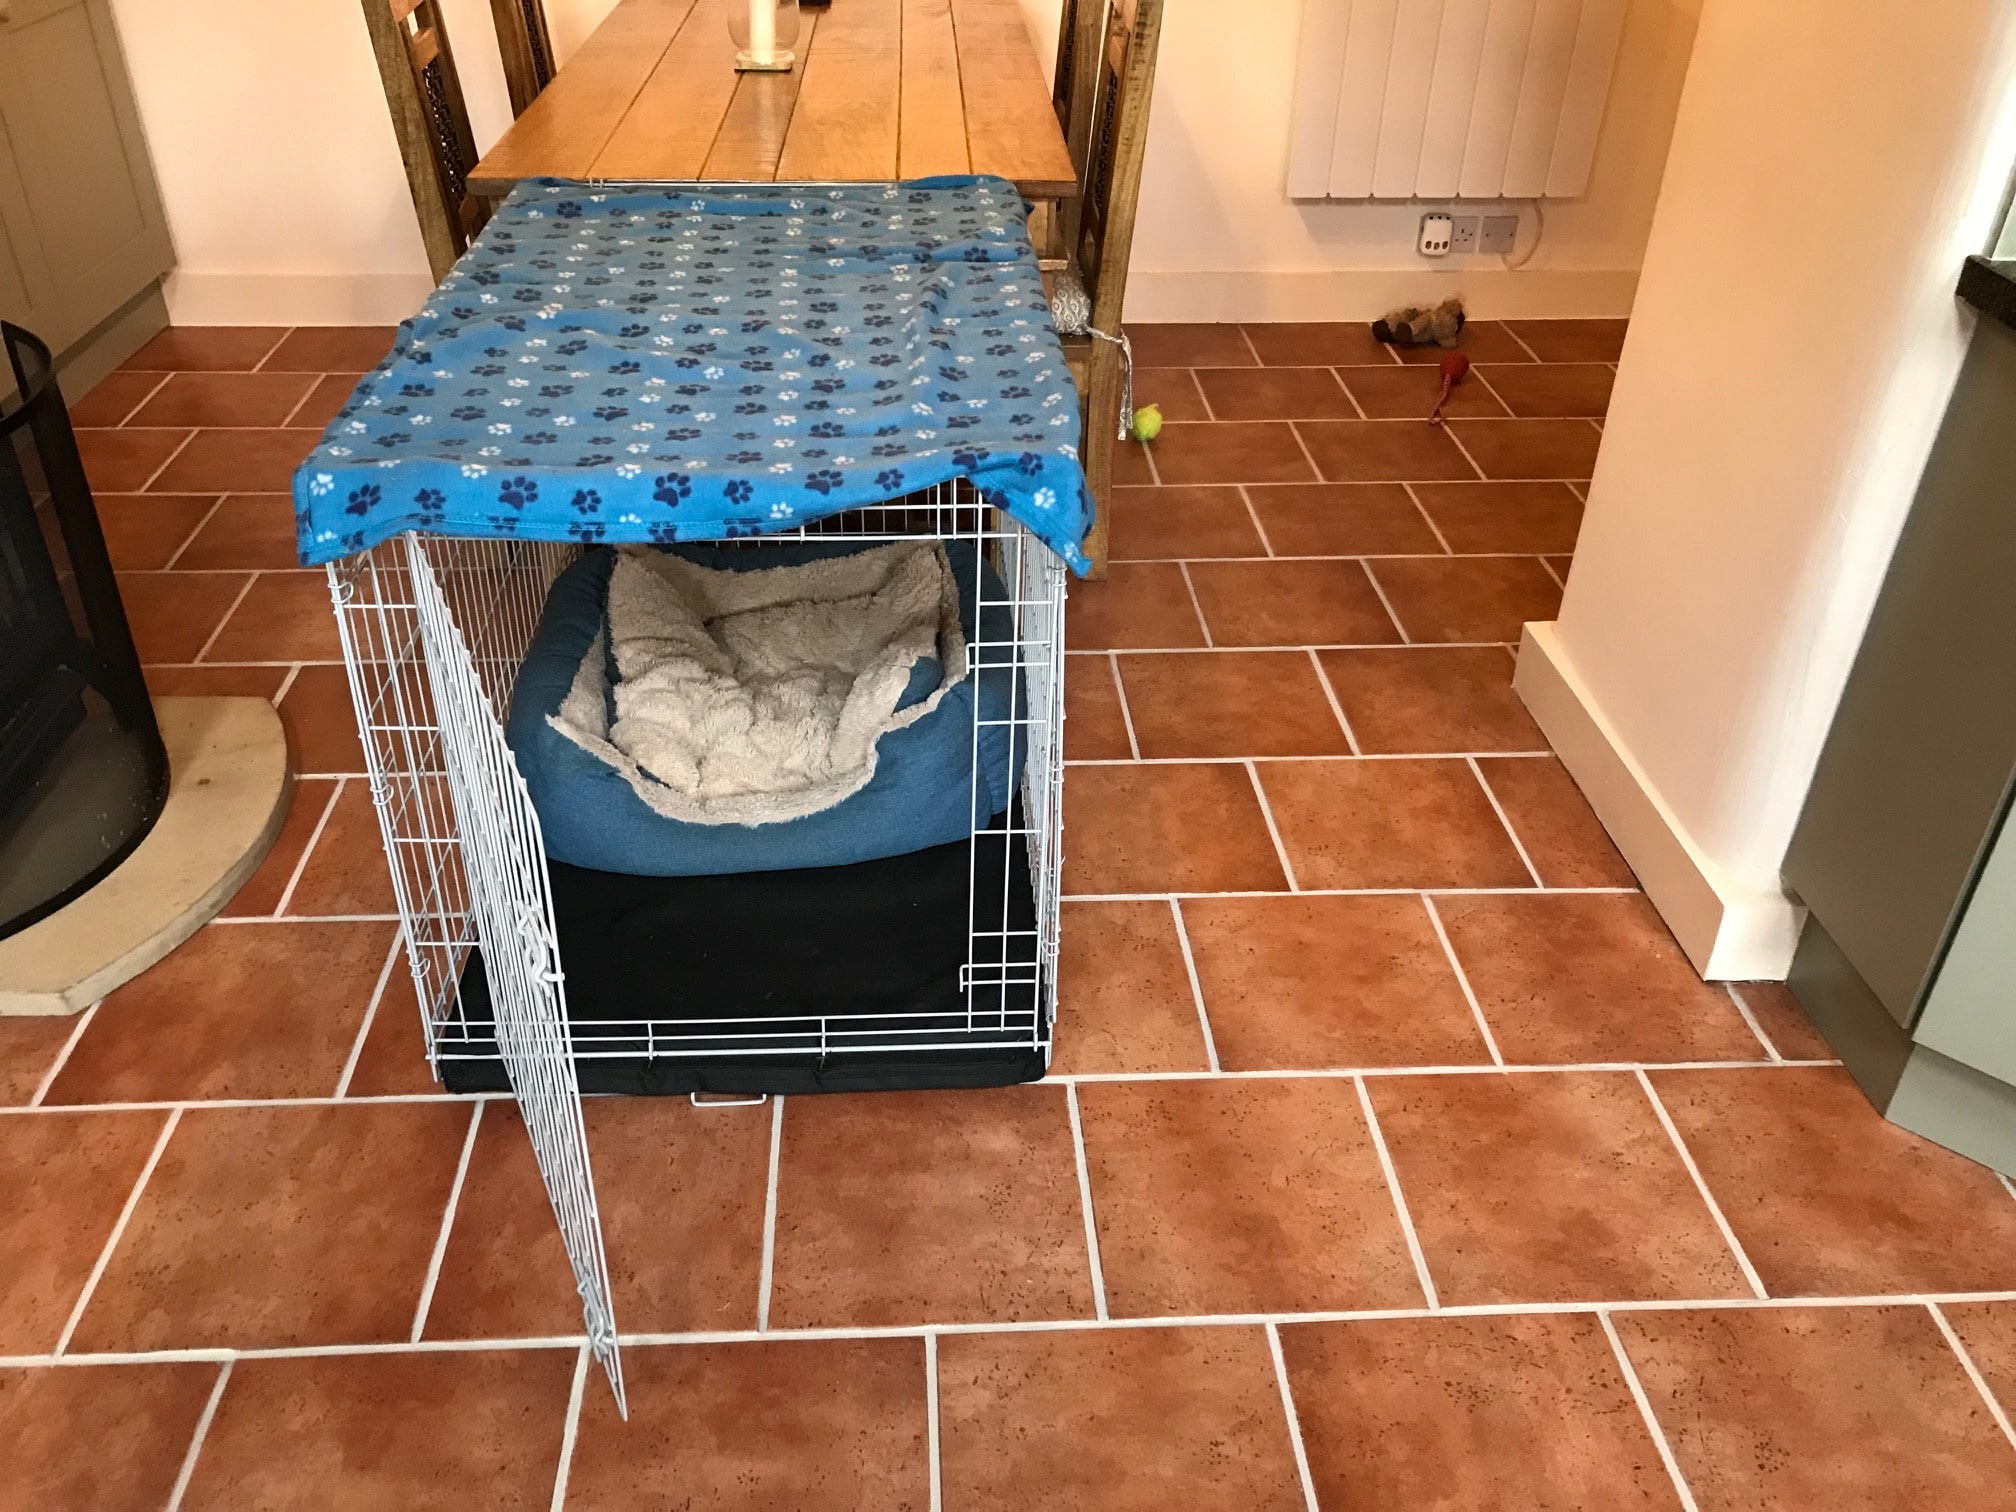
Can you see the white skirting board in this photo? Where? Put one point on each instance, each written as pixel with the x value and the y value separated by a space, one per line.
pixel 1489 293
pixel 1730 931
pixel 290 299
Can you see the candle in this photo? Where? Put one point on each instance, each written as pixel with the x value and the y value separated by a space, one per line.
pixel 762 31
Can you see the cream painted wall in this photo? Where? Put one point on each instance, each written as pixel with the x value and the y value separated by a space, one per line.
pixel 1793 347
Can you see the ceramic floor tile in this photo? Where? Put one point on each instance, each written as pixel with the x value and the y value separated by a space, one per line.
pixel 239 1011
pixel 63 1179
pixel 1851 1409
pixel 1582 978
pixel 1240 1197
pixel 1256 451
pixel 1138 604
pixel 1988 1331
pixel 1829 1198
pixel 1784 1021
pixel 259 896
pixel 215 682
pixel 392 1061
pixel 81 1438
pixel 1553 388
pixel 1123 993
pixel 1166 828
pixel 1315 983
pixel 1290 603
pixel 1467 598
pixel 1095 726
pixel 324 401
pixel 1503 517
pixel 1140 1418
pixel 321 721
pixel 1564 839
pixel 1342 519
pixel 1173 390
pixel 1571 340
pixel 1275 393
pixel 1549 1187
pixel 246 531
pixel 1323 344
pixel 233 399
pixel 1529 448
pixel 1230 703
pixel 1394 392
pixel 115 397
pixel 144 531
pixel 662 1168
pixel 1191 344
pixel 1399 823
pixel 173 614
pixel 1471 1415
pixel 28 1048
pixel 1382 451
pixel 1481 341
pixel 809 1425
pixel 206 349
pixel 346 872
pixel 330 349
pixel 1210 521
pixel 237 461
pixel 1131 465
pixel 928 1207
pixel 123 461
pixel 265 1227
pixel 285 616
pixel 1431 699
pixel 420 1432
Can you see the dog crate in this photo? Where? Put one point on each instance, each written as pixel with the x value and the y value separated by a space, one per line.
pixel 755 975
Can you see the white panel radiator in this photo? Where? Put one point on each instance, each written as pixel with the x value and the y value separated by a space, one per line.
pixel 1449 99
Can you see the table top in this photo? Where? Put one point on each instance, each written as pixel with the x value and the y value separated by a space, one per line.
pixel 883 89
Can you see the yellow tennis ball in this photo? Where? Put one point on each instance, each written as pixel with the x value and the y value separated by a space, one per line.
pixel 1147 422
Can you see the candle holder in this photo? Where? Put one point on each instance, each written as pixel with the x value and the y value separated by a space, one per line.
pixel 764 32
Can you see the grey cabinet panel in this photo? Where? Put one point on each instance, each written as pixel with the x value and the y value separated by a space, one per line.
pixel 1970 1013
pixel 79 210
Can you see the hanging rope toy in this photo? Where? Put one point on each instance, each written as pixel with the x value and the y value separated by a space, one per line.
pixel 1071 310
pixel 1455 368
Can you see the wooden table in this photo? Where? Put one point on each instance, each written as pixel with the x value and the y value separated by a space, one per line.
pixel 883 89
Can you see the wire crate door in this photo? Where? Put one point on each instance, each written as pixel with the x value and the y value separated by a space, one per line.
pixel 504 856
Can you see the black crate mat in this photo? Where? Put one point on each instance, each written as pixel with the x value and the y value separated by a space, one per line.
pixel 848 968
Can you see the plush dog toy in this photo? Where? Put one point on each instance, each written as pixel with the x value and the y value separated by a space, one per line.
pixel 1415 325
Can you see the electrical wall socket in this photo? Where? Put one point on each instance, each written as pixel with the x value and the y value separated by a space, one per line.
pixel 1435 231
pixel 1499 234
pixel 1463 234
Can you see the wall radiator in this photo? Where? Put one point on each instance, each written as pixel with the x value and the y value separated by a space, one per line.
pixel 1450 99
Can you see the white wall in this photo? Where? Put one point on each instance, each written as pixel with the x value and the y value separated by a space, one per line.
pixel 287 203
pixel 1792 349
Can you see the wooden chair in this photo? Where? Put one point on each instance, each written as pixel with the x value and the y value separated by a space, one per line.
pixel 526 48
pixel 417 68
pixel 1102 237
pixel 1073 88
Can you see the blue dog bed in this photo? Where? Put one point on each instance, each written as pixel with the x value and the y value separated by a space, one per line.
pixel 926 789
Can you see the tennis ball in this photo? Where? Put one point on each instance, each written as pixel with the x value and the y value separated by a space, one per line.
pixel 1147 422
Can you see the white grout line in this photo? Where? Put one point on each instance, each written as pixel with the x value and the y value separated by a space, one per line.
pixel 1520 341
pixel 1154 472
pixel 1463 981
pixel 1308 456
pixel 144 487
pixel 1337 371
pixel 196 530
pixel 1506 820
pixel 1196 984
pixel 370 1018
pixel 1248 339
pixel 1457 442
pixel 63 1055
pixel 1210 650
pixel 1336 706
pixel 308 850
pixel 1278 558
pixel 1429 520
pixel 767 1268
pixel 1484 382
pixel 1253 513
pixel 2007 1185
pixel 1273 830
pixel 1701 1185
pixel 1399 1201
pixel 1385 603
pixel 447 1227
pixel 118 1232
pixel 1548 568
pixel 1203 396
pixel 1202 623
pixel 1085 1201
pixel 286 686
pixel 1749 1018
pixel 571 1432
pixel 211 639
pixel 933 1433
pixel 195 1450
pixel 1126 713
pixel 393 918
pixel 144 401
pixel 1361 756
pixel 1294 1420
pixel 1973 1373
pixel 1651 1418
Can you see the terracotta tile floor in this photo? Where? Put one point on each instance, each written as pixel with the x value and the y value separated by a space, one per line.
pixel 1392 1157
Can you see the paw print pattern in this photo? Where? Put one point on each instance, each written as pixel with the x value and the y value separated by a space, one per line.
pixel 517 492
pixel 671 488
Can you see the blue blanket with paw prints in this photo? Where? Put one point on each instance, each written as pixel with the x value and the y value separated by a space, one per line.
pixel 657 364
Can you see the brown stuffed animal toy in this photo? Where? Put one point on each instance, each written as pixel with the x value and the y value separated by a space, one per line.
pixel 1415 325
